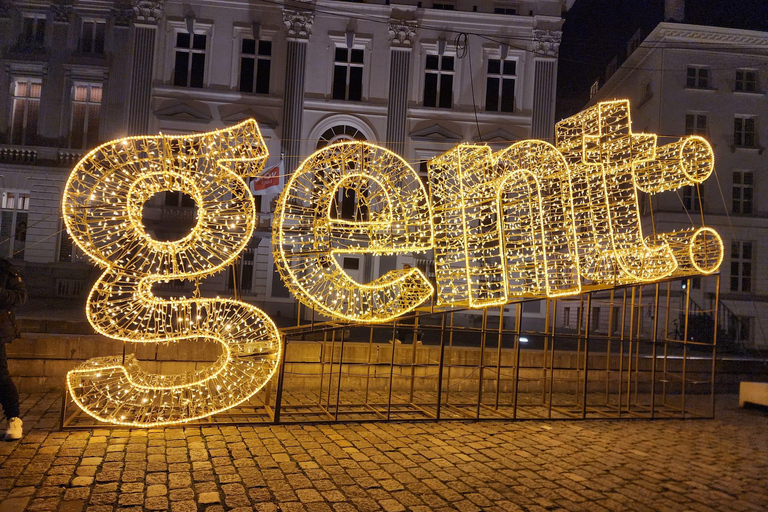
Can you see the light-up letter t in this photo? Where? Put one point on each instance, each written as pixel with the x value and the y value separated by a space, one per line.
pixel 103 204
pixel 352 197
pixel 608 165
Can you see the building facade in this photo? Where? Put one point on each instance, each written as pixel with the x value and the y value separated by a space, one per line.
pixel 710 81
pixel 416 77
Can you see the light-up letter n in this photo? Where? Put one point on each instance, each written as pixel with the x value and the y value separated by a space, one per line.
pixel 103 205
pixel 389 214
pixel 503 224
pixel 608 165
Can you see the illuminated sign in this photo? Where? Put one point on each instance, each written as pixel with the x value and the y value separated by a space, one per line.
pixel 103 203
pixel 532 220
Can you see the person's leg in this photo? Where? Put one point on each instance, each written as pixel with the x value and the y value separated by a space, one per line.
pixel 9 396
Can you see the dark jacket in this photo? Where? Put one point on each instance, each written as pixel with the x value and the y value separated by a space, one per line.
pixel 13 293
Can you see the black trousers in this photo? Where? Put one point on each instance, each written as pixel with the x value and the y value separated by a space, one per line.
pixel 9 396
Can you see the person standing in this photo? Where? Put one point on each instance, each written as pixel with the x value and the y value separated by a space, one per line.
pixel 13 293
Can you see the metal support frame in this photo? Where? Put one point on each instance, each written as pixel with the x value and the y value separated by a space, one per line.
pixel 625 369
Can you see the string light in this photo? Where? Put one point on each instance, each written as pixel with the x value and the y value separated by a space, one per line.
pixel 392 215
pixel 103 207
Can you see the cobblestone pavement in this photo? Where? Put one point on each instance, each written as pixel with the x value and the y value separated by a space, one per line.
pixel 666 465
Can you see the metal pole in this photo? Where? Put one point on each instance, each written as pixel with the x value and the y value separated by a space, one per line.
pixel 518 323
pixel 482 361
pixel 498 356
pixel 685 340
pixel 714 346
pixel 653 358
pixel 586 358
pixel 413 356
pixel 280 379
pixel 368 377
pixel 440 367
pixel 392 369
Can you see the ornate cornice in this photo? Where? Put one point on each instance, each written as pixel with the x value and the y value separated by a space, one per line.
pixel 546 43
pixel 147 11
pixel 402 33
pixel 298 23
pixel 62 11
pixel 715 35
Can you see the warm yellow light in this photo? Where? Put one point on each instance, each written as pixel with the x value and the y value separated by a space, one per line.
pixel 390 215
pixel 103 204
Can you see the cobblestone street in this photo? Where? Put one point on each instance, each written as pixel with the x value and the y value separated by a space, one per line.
pixel 665 465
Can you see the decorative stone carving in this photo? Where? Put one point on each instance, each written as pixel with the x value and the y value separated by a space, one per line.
pixel 298 23
pixel 122 14
pixel 546 43
pixel 62 11
pixel 6 9
pixel 402 33
pixel 148 11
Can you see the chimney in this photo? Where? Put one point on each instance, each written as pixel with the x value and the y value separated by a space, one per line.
pixel 674 10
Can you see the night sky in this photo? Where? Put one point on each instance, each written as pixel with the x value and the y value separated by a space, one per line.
pixel 597 30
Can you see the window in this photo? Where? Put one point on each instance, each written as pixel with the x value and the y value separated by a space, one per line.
pixel 504 10
pixel 26 109
pixel 189 67
pixel 741 266
pixel 92 36
pixel 697 77
pixel 740 328
pixel 744 131
pixel 443 6
pixel 33 30
pixel 243 269
pixel 500 85
pixel 616 319
pixel 348 74
pixel 693 197
pixel 743 192
pixel 566 317
pixel 696 124
pixel 278 287
pixel 595 320
pixel 13 224
pixel 438 81
pixel 746 80
pixel 86 109
pixel 594 88
pixel 255 63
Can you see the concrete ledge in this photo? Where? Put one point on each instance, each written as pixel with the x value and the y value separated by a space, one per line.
pixel 753 393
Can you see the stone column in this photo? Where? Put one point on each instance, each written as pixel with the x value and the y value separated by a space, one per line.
pixel 299 25
pixel 401 36
pixel 146 16
pixel 546 46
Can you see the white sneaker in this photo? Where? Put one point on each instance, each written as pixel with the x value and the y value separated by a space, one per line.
pixel 13 432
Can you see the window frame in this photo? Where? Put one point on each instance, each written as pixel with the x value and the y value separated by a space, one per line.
pixel 87 143
pixel 501 76
pixel 241 32
pixel 81 38
pixel 693 127
pixel 177 26
pixel 695 80
pixel 348 65
pixel 693 198
pixel 26 138
pixel 740 261
pixel 741 134
pixel 21 199
pixel 742 85
pixel 742 186
pixel 439 72
pixel 33 42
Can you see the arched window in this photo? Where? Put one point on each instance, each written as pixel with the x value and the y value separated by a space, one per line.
pixel 337 133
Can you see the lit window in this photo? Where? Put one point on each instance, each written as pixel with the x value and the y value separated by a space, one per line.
pixel 744 131
pixel 189 67
pixel 86 111
pixel 500 85
pixel 743 192
pixel 26 109
pixel 438 81
pixel 92 36
pixel 33 30
pixel 697 77
pixel 13 224
pixel 255 63
pixel 741 266
pixel 696 124
pixel 348 74
pixel 746 80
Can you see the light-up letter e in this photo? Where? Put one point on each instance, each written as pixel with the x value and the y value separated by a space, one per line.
pixel 352 197
pixel 103 203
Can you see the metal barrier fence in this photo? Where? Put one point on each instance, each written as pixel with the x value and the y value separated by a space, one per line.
pixel 630 352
